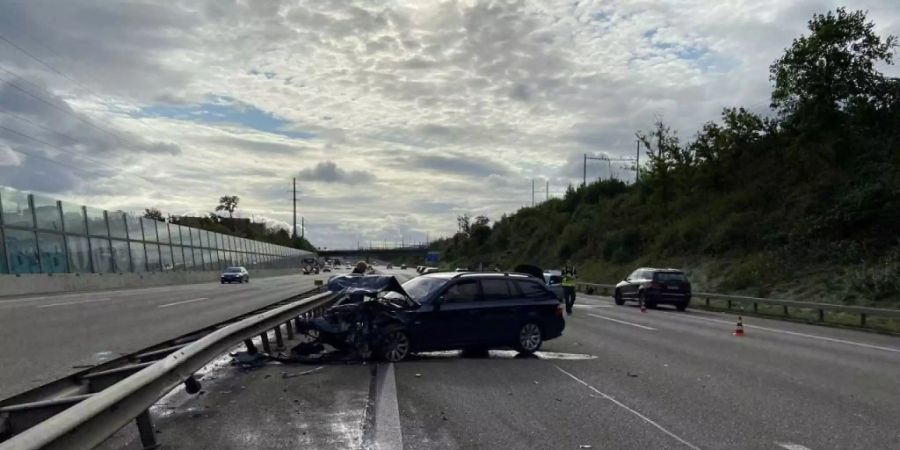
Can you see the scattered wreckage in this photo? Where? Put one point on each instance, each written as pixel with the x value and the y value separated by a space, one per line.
pixel 362 324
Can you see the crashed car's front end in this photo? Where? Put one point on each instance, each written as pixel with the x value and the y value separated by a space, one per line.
pixel 358 323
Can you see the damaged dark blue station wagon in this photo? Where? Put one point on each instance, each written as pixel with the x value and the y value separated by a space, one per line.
pixel 442 311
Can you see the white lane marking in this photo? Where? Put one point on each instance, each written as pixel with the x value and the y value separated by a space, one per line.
pixel 589 306
pixel 183 302
pixel 75 303
pixel 790 446
pixel 622 405
pixel 623 322
pixel 794 333
pixel 388 433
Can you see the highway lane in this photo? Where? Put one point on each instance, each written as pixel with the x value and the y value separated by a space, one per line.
pixel 617 379
pixel 43 337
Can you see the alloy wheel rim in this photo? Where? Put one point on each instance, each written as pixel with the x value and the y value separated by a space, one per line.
pixel 530 337
pixel 398 345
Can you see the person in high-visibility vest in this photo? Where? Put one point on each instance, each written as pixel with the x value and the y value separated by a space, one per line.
pixel 569 275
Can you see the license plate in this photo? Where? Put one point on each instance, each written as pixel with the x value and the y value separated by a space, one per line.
pixel 674 288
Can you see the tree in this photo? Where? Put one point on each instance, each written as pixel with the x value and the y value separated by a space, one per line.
pixel 480 230
pixel 155 214
pixel 463 224
pixel 228 203
pixel 482 221
pixel 834 67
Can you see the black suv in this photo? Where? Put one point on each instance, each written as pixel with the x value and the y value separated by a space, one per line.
pixel 476 310
pixel 654 287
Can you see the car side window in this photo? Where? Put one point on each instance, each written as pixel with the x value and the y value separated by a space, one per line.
pixel 531 290
pixel 463 291
pixel 634 275
pixel 495 289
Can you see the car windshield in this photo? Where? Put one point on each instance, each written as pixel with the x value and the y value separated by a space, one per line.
pixel 421 287
pixel 233 270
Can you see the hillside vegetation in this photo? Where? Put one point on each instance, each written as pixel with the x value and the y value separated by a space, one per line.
pixel 802 203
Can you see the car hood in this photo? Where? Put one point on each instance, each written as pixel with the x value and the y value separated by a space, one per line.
pixel 359 286
pixel 529 269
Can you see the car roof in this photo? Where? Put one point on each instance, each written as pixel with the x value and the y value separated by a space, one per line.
pixel 652 269
pixel 479 275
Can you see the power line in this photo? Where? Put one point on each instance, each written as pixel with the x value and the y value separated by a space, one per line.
pixel 41 141
pixel 52 105
pixel 71 79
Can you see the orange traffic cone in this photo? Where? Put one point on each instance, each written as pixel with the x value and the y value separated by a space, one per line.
pixel 739 330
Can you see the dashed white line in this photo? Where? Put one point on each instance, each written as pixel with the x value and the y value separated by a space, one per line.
pixel 625 407
pixel 388 432
pixel 794 333
pixel 623 322
pixel 790 446
pixel 183 302
pixel 75 303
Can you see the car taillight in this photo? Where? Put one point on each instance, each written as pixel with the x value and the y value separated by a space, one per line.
pixel 559 310
pixel 657 285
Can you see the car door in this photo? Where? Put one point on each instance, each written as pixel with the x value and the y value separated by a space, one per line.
pixel 630 290
pixel 498 311
pixel 452 321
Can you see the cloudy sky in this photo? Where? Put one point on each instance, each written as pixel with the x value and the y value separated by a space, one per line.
pixel 394 116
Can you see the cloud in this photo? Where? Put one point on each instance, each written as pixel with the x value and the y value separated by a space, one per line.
pixel 174 104
pixel 329 172
pixel 454 163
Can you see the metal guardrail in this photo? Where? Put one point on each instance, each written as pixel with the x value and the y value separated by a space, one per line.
pixel 862 311
pixel 82 420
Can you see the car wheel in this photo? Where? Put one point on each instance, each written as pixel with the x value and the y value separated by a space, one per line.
pixel 396 345
pixel 247 280
pixel 618 298
pixel 681 306
pixel 649 304
pixel 241 281
pixel 529 339
pixel 222 281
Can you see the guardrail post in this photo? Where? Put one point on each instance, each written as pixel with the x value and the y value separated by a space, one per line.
pixel 862 319
pixel 251 349
pixel 707 302
pixel 265 342
pixel 729 304
pixel 785 310
pixel 145 429
pixel 755 307
pixel 290 330
pixel 821 315
pixel 279 340
pixel 297 324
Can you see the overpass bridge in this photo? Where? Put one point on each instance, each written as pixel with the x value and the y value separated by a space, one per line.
pixel 377 253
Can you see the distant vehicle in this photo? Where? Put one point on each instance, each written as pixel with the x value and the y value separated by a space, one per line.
pixel 235 274
pixel 348 267
pixel 326 269
pixel 461 269
pixel 310 270
pixel 389 266
pixel 474 310
pixel 428 270
pixel 655 287
pixel 553 279
pixel 419 269
pixel 403 266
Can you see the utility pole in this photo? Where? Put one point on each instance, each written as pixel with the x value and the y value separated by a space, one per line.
pixel 637 164
pixel 302 227
pixel 532 192
pixel 584 171
pixel 548 191
pixel 294 234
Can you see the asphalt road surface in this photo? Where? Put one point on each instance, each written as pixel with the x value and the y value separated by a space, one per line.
pixel 43 338
pixel 617 379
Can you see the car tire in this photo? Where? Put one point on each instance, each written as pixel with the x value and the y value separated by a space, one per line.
pixel 649 304
pixel 247 280
pixel 221 281
pixel 395 346
pixel 618 298
pixel 529 338
pixel 681 306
